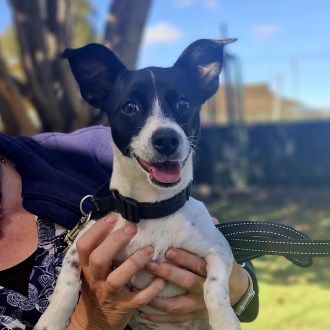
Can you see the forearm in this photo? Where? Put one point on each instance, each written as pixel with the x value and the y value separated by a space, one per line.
pixel 90 316
pixel 238 284
pixel 252 309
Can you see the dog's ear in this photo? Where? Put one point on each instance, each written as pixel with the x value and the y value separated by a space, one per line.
pixel 95 67
pixel 203 61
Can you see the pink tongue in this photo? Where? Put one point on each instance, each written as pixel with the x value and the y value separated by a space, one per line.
pixel 168 172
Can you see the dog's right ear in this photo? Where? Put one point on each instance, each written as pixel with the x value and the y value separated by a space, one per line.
pixel 95 68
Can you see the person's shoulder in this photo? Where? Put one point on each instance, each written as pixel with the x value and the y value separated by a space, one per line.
pixel 92 138
pixel 87 134
pixel 92 141
pixel 93 130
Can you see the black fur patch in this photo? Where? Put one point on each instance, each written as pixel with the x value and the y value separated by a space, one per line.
pixel 213 278
pixel 74 264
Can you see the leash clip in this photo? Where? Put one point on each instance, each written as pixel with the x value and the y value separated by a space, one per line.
pixel 82 203
pixel 73 233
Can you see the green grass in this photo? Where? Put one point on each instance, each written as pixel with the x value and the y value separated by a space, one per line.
pixel 290 297
pixel 298 306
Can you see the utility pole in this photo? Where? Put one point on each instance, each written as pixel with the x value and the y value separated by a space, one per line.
pixel 229 95
pixel 295 85
pixel 238 166
pixel 277 101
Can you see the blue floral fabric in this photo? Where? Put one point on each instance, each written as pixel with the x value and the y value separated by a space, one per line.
pixel 22 312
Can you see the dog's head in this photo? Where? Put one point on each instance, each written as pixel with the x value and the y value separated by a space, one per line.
pixel 153 112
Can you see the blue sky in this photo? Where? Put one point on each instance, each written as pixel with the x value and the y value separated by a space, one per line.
pixel 282 43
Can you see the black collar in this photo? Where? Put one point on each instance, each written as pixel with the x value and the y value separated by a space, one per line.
pixel 134 211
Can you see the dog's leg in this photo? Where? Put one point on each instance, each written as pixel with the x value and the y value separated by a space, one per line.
pixel 219 259
pixel 65 295
pixel 202 238
pixel 216 293
pixel 66 292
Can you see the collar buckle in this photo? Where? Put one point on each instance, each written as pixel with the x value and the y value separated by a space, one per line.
pixel 127 207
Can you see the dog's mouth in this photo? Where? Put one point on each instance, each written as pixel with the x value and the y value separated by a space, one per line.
pixel 166 173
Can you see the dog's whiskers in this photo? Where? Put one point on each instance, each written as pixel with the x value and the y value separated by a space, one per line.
pixel 185 124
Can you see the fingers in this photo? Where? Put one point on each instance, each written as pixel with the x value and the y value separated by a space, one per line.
pixel 101 258
pixel 105 293
pixel 117 279
pixel 178 276
pixel 215 221
pixel 183 304
pixel 94 236
pixel 187 260
pixel 186 307
pixel 174 318
pixel 97 247
pixel 145 296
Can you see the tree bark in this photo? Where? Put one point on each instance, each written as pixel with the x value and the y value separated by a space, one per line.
pixel 32 40
pixel 124 27
pixel 12 110
pixel 74 111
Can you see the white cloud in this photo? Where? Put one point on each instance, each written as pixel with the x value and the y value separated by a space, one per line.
pixel 265 32
pixel 212 4
pixel 161 33
pixel 208 4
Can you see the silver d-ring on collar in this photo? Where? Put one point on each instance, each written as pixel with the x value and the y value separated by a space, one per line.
pixel 82 202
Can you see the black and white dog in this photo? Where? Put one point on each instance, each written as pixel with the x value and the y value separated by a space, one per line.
pixel 154 114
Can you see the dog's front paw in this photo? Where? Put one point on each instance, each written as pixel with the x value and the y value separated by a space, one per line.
pixel 49 323
pixel 47 326
pixel 224 321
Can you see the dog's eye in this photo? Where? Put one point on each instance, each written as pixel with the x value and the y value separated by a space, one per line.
pixel 183 104
pixel 130 108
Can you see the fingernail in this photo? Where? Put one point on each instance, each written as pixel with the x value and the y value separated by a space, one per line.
pixel 171 254
pixel 110 219
pixel 148 250
pixel 130 229
pixel 152 265
pixel 143 316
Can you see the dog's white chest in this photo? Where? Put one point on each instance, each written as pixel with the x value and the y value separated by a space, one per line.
pixel 172 231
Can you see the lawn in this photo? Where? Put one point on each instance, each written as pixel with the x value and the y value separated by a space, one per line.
pixel 290 297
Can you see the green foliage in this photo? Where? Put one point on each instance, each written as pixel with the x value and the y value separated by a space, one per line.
pixel 83 30
pixel 9 47
pixel 81 22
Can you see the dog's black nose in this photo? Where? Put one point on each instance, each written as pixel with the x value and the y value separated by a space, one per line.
pixel 166 141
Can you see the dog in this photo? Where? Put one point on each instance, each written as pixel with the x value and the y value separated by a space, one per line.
pixel 154 115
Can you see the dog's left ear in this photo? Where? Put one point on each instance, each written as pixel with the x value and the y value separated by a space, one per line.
pixel 95 68
pixel 203 61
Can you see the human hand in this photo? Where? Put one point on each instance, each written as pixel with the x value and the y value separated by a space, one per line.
pixel 188 271
pixel 106 302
